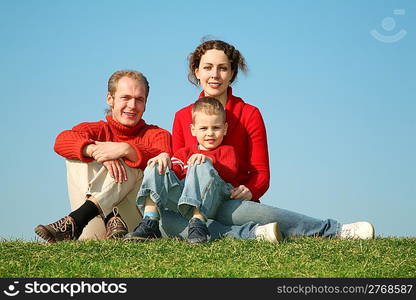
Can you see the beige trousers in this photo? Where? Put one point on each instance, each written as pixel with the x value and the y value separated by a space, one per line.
pixel 93 179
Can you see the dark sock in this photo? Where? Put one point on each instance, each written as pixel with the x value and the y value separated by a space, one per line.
pixel 203 220
pixel 109 216
pixel 85 213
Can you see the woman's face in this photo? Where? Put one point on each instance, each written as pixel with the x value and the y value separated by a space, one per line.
pixel 214 73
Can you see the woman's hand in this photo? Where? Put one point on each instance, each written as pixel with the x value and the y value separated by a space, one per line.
pixel 241 192
pixel 163 161
pixel 197 159
pixel 116 170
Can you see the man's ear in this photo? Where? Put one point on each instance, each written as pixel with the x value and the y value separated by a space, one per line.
pixel 225 128
pixel 193 130
pixel 110 100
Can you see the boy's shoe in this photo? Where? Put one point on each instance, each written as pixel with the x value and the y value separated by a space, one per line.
pixel 115 228
pixel 61 230
pixel 269 232
pixel 147 229
pixel 357 230
pixel 197 231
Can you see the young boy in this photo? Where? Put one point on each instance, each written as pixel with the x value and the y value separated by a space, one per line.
pixel 202 179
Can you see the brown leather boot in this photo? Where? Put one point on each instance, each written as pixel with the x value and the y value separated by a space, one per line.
pixel 61 230
pixel 116 228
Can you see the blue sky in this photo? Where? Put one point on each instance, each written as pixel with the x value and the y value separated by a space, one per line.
pixel 339 103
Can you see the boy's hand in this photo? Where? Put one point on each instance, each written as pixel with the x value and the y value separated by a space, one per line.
pixel 197 159
pixel 163 161
pixel 116 170
pixel 241 192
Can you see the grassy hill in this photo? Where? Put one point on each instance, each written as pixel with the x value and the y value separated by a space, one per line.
pixel 225 258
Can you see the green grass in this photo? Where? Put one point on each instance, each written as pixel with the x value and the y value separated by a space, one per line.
pixel 225 258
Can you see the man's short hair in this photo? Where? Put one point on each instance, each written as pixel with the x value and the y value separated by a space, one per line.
pixel 209 106
pixel 113 81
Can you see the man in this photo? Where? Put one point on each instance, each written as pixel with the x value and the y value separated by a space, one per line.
pixel 105 160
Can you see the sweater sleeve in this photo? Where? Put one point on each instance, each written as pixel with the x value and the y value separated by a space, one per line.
pixel 178 138
pixel 258 156
pixel 70 143
pixel 226 163
pixel 179 162
pixel 156 141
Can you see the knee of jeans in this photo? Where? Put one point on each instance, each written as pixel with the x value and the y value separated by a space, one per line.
pixel 207 163
pixel 151 170
pixel 204 168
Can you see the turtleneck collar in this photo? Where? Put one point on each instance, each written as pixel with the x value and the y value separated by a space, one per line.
pixel 229 95
pixel 122 130
pixel 233 108
pixel 232 103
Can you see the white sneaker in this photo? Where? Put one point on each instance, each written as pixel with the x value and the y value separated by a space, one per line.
pixel 269 232
pixel 357 230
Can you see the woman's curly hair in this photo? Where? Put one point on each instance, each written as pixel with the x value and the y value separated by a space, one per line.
pixel 237 60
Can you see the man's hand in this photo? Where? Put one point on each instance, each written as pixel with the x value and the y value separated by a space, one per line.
pixel 116 170
pixel 163 161
pixel 241 192
pixel 104 151
pixel 197 159
pixel 87 151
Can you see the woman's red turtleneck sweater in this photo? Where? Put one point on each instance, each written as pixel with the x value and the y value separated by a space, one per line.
pixel 246 133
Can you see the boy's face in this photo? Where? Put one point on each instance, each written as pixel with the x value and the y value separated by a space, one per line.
pixel 209 130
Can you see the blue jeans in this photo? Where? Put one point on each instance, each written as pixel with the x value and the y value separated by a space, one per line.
pixel 205 189
pixel 202 188
pixel 163 189
pixel 290 223
pixel 172 224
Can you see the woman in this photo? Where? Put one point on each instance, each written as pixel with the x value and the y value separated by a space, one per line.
pixel 214 66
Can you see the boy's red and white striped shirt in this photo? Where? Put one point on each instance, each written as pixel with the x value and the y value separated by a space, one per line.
pixel 179 163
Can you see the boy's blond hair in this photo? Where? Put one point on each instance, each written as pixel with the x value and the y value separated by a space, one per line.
pixel 209 106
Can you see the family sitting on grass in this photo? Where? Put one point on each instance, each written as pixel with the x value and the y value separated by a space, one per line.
pixel 133 181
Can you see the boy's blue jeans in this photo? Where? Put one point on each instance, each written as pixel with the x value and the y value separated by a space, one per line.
pixel 203 188
pixel 175 198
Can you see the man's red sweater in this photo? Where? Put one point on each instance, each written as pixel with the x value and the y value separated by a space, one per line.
pixel 246 133
pixel 223 158
pixel 148 140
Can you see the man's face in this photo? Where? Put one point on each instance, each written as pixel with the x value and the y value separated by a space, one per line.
pixel 128 102
pixel 209 130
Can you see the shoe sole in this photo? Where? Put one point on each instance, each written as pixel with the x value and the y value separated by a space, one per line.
pixel 278 233
pixel 373 232
pixel 45 234
pixel 273 234
pixel 117 235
